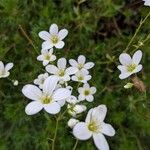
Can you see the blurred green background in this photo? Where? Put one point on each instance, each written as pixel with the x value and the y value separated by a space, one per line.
pixel 98 29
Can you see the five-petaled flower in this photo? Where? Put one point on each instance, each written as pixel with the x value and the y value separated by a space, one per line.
pixel 81 63
pixel 129 65
pixel 46 56
pixel 94 126
pixel 53 37
pixel 86 92
pixel 49 98
pixel 4 70
pixel 61 70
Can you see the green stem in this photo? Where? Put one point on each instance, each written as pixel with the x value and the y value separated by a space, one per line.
pixel 75 145
pixel 55 134
pixel 136 32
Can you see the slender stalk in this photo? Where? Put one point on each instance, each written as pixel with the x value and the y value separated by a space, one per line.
pixel 136 32
pixel 55 134
pixel 75 145
pixel 28 38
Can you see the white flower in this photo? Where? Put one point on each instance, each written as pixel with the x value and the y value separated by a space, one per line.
pixel 61 71
pixel 40 80
pixel 15 82
pixel 49 98
pixel 129 65
pixel 81 63
pixel 86 92
pixel 4 70
pixel 53 37
pixel 46 56
pixel 146 2
pixel 72 122
pixel 82 76
pixel 94 126
pixel 76 109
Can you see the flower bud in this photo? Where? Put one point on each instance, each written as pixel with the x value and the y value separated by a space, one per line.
pixel 72 122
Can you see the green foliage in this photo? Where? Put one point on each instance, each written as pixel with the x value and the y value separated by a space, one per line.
pixel 98 29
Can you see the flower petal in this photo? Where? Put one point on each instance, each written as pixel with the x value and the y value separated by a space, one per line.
pixel 138 68
pixel 100 142
pixel 137 57
pixel 107 129
pixel 32 92
pixel 61 102
pixel 71 70
pixel 61 63
pixel 90 98
pixel 125 59
pixel 73 62
pixel 47 45
pixel 33 108
pixel 89 115
pixel 122 68
pixel 44 35
pixel 9 66
pixel 81 97
pixel 50 84
pixel 124 75
pixel 89 65
pixel 60 44
pixel 62 34
pixel 1 65
pixel 81 59
pixel 93 90
pixel 61 94
pixel 52 108
pixel 51 69
pixel 40 58
pixel 53 29
pixel 81 132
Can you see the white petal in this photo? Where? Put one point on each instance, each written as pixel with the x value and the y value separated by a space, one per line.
pixel 61 94
pixel 81 132
pixel 89 115
pixel 32 92
pixel 125 59
pixel 9 66
pixel 100 142
pixel 89 65
pixel 62 34
pixel 74 78
pixel 71 70
pixel 50 84
pixel 99 113
pixel 81 97
pixel 33 108
pixel 73 62
pixel 45 62
pixel 80 89
pixel 47 45
pixel 53 29
pixel 53 58
pixel 81 59
pixel 93 90
pixel 61 102
pixel 60 44
pixel 122 68
pixel 44 51
pixel 61 63
pixel 52 69
pixel 44 35
pixel 138 68
pixel 86 86
pixel 90 98
pixel 1 65
pixel 87 78
pixel 124 75
pixel 40 58
pixel 107 129
pixel 137 57
pixel 52 108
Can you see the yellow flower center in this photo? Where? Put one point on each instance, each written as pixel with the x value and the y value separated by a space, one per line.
pixel 46 99
pixel 93 126
pixel 47 57
pixel 86 92
pixel 131 67
pixel 80 66
pixel 80 78
pixel 54 39
pixel 61 72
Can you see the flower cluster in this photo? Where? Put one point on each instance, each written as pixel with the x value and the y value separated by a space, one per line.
pixel 53 89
